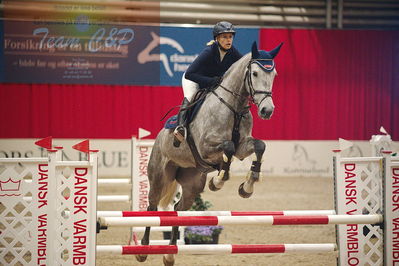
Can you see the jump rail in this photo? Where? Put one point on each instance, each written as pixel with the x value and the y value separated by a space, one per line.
pixel 214 249
pixel 106 222
pixel 211 213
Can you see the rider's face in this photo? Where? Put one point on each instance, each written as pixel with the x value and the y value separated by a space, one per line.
pixel 225 40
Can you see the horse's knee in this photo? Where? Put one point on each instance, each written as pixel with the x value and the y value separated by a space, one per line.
pixel 259 147
pixel 228 148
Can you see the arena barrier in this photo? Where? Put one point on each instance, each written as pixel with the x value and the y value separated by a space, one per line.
pixel 60 187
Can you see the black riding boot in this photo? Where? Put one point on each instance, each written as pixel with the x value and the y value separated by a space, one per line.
pixel 181 131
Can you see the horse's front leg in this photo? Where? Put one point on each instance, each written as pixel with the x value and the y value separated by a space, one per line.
pixel 146 238
pixel 217 182
pixel 169 259
pixel 248 147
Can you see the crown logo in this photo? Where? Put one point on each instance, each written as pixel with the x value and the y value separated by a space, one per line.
pixel 10 186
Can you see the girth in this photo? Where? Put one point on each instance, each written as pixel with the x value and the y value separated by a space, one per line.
pixel 200 164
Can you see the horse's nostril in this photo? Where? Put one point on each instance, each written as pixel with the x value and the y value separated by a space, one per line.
pixel 265 113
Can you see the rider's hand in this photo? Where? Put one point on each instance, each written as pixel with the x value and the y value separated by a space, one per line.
pixel 216 81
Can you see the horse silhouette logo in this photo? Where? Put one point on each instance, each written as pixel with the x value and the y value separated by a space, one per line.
pixel 355 151
pixel 301 157
pixel 145 56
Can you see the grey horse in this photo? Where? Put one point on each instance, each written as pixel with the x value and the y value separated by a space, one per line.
pixel 221 129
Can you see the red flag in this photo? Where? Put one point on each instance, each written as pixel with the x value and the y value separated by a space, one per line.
pixel 82 146
pixel 46 143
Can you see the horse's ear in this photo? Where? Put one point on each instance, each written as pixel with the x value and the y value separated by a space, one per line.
pixel 255 52
pixel 275 51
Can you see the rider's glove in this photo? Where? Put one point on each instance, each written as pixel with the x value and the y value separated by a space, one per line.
pixel 216 81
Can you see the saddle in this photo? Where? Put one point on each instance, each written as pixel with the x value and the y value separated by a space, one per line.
pixel 193 109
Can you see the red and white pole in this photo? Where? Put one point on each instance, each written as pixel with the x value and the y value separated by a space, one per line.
pixel 214 249
pixel 213 213
pixel 239 220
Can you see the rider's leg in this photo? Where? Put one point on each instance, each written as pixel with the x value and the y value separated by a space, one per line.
pixel 189 90
pixel 180 130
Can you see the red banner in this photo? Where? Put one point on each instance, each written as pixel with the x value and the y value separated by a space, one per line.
pixel 330 84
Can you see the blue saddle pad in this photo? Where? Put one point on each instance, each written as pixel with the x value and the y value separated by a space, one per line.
pixel 171 123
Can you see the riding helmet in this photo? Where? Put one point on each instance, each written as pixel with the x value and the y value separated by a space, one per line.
pixel 223 27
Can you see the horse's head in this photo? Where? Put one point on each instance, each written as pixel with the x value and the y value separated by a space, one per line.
pixel 260 76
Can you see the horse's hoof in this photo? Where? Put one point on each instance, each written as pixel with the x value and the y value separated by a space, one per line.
pixel 243 193
pixel 141 258
pixel 212 186
pixel 167 262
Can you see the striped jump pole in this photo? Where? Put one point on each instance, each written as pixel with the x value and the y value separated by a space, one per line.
pixel 214 249
pixel 212 213
pixel 105 222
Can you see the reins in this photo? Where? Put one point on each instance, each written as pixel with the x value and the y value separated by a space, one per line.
pixel 198 97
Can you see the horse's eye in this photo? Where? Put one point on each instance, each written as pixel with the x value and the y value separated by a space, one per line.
pixel 255 73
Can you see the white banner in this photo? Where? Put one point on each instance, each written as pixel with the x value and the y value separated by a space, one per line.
pixel 282 158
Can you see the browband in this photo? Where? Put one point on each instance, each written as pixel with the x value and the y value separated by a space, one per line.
pixel 265 64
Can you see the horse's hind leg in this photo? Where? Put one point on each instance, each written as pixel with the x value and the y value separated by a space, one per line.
pixel 217 182
pixel 192 182
pixel 159 177
pixel 246 189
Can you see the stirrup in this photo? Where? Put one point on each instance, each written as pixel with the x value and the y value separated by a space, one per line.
pixel 180 134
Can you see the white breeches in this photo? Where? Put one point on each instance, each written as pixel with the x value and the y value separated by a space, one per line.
pixel 189 88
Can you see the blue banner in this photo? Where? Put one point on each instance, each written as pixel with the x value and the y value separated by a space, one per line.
pixel 181 45
pixel 74 52
pixel 87 53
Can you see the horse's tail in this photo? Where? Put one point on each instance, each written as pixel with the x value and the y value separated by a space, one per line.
pixel 168 193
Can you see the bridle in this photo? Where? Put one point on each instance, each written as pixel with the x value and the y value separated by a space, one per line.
pixel 251 91
pixel 248 77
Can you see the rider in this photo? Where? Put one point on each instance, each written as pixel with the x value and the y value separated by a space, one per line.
pixel 207 70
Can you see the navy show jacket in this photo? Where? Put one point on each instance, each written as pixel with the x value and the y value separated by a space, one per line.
pixel 208 65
